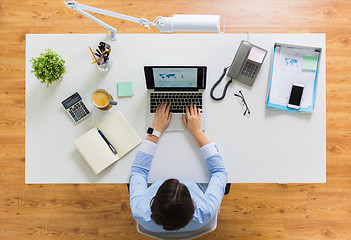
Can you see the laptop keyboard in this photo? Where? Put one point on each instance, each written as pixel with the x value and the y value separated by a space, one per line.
pixel 178 100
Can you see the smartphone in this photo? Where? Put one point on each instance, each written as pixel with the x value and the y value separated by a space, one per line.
pixel 295 95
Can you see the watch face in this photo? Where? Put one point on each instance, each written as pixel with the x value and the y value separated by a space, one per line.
pixel 150 130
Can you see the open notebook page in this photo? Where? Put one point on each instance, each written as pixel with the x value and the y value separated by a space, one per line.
pixel 95 150
pixel 120 133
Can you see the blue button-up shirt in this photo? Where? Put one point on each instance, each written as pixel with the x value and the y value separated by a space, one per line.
pixel 206 203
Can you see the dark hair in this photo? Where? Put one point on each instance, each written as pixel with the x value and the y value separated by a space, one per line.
pixel 172 206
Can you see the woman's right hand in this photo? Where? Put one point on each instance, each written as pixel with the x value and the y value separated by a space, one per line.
pixel 192 121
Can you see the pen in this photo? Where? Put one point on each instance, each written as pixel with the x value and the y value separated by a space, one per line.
pixel 108 143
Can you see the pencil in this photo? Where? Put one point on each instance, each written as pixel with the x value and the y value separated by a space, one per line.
pixel 93 54
pixel 96 60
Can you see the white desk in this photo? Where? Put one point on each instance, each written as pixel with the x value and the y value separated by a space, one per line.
pixel 265 147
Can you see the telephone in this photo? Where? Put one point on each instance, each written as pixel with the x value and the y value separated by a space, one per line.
pixel 245 66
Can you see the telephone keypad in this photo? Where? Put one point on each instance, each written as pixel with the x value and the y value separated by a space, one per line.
pixel 249 69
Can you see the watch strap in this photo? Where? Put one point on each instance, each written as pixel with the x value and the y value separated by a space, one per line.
pixel 156 133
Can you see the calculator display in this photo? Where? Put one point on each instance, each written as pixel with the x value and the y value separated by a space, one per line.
pixel 71 100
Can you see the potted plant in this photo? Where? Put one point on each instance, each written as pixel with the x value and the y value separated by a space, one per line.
pixel 48 67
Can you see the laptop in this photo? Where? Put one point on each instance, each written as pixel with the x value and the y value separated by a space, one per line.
pixel 178 85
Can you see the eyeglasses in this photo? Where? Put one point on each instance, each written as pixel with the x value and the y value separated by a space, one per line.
pixel 243 102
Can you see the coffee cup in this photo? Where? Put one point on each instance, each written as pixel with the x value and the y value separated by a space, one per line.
pixel 102 99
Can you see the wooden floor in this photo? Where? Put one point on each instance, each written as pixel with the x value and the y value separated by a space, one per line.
pixel 250 211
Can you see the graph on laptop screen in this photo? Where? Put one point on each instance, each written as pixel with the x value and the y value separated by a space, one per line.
pixel 175 77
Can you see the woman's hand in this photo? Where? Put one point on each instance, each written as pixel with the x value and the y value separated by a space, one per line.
pixel 192 121
pixel 162 117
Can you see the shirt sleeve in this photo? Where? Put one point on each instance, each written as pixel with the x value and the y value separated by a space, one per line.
pixel 140 172
pixel 218 177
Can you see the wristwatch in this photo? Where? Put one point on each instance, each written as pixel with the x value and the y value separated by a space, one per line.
pixel 152 131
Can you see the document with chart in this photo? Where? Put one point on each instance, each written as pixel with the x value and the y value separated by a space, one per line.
pixel 293 64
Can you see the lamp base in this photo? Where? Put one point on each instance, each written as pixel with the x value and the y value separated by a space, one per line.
pixel 113 36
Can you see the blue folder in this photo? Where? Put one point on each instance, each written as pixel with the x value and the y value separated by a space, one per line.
pixel 285 107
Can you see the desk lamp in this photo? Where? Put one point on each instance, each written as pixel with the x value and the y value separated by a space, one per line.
pixel 198 23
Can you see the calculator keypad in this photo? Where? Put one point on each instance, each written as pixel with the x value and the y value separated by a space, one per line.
pixel 78 111
pixel 249 69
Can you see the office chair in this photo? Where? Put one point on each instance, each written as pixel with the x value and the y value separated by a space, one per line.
pixel 211 226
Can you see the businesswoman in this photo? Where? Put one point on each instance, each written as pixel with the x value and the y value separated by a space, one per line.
pixel 175 204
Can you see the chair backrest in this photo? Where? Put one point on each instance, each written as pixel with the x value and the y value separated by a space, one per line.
pixel 209 227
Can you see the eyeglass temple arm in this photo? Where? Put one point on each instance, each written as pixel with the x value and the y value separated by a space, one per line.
pixel 243 99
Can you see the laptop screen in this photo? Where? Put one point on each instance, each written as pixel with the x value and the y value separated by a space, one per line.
pixel 175 78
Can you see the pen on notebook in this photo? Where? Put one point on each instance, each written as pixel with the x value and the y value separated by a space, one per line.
pixel 108 143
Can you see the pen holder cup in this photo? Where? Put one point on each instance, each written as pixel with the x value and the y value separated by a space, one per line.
pixel 101 57
pixel 102 65
pixel 105 66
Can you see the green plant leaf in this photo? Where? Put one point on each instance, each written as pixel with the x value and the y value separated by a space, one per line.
pixel 48 67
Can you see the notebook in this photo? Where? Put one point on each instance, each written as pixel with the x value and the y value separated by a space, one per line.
pixel 95 150
pixel 178 85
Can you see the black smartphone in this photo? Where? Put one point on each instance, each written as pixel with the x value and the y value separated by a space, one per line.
pixel 296 95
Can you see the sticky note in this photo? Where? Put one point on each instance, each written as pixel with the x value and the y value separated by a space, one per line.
pixel 125 89
pixel 309 63
pixel 257 55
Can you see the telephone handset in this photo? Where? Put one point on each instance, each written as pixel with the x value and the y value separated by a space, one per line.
pixel 245 66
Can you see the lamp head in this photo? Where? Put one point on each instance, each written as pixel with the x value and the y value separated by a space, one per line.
pixel 186 23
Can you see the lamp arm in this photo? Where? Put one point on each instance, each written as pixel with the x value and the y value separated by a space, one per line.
pixel 204 23
pixel 109 28
pixel 76 6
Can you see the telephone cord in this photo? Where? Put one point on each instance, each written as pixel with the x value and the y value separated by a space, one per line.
pixel 225 87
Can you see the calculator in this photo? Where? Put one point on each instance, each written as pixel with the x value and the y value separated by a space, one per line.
pixel 76 108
